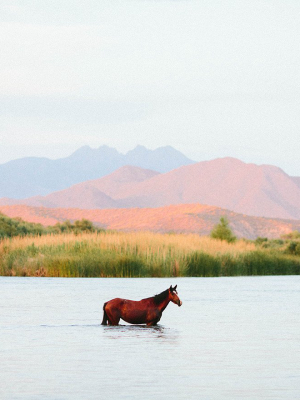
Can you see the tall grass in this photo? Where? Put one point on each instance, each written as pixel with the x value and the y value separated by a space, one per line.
pixel 119 254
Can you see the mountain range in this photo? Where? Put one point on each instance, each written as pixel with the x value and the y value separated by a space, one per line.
pixel 32 176
pixel 183 218
pixel 250 189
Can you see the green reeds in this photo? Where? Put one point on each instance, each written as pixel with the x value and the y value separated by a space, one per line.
pixel 117 254
pixel 254 263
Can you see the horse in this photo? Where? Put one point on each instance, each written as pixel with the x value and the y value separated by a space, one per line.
pixel 146 311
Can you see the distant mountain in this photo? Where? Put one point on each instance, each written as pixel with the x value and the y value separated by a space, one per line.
pixel 186 218
pixel 31 176
pixel 264 190
pixel 163 159
pixel 296 179
pixel 96 193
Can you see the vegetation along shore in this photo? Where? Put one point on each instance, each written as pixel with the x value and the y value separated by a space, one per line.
pixel 81 250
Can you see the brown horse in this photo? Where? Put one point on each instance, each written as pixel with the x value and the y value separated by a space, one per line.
pixel 147 311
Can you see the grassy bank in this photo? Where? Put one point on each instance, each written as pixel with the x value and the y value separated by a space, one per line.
pixel 117 254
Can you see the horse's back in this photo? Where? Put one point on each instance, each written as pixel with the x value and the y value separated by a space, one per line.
pixel 117 300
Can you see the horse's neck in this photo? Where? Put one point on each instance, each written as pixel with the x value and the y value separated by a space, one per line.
pixel 164 304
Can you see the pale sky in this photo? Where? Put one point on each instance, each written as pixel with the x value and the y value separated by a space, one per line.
pixel 210 78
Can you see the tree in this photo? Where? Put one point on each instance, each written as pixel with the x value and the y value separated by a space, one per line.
pixel 222 231
pixel 84 226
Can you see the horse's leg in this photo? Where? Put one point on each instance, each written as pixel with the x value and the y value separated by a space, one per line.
pixel 153 318
pixel 153 323
pixel 114 322
pixel 105 319
pixel 113 316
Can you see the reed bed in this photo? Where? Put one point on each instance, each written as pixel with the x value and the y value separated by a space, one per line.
pixel 143 254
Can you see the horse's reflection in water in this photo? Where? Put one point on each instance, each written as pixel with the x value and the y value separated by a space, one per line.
pixel 147 311
pixel 141 331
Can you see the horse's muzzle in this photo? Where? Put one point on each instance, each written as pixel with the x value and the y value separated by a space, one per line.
pixel 179 303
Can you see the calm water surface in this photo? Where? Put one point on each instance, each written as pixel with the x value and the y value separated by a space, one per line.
pixel 233 338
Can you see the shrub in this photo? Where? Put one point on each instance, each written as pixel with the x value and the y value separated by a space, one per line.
pixel 293 248
pixel 10 227
pixel 222 231
pixel 260 240
pixel 292 235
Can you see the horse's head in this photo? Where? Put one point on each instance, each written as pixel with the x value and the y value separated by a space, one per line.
pixel 173 296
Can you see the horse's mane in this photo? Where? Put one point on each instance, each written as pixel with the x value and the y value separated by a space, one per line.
pixel 158 298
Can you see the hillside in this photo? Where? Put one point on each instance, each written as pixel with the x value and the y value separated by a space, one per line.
pixel 177 218
pixel 33 176
pixel 257 190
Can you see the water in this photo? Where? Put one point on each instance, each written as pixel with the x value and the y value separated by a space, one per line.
pixel 233 338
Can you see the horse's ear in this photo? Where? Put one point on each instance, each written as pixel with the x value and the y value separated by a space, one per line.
pixel 171 289
pixel 174 288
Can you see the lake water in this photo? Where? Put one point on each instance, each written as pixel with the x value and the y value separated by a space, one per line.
pixel 233 338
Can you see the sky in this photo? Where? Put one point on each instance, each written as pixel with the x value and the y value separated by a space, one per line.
pixel 213 78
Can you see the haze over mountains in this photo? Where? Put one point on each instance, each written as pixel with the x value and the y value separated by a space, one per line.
pixel 32 176
pixel 264 190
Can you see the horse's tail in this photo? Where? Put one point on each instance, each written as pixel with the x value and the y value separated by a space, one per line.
pixel 105 319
